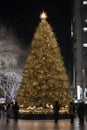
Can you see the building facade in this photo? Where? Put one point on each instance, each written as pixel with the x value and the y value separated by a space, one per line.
pixel 79 40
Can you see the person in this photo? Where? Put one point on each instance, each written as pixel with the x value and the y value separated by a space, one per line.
pixel 9 111
pixel 56 109
pixel 4 109
pixel 16 111
pixel 72 111
pixel 81 112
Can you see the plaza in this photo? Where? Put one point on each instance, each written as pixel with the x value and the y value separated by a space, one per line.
pixel 63 124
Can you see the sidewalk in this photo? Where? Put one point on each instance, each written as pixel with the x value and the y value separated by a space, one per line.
pixel 63 124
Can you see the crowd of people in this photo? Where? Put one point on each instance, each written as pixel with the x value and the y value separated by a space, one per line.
pixel 10 110
pixel 79 110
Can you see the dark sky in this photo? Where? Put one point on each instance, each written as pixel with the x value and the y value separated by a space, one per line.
pixel 23 16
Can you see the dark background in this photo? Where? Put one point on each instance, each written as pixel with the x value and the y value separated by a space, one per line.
pixel 23 18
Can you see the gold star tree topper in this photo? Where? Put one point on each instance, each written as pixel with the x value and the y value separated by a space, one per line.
pixel 43 16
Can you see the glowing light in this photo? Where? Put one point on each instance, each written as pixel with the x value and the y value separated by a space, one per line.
pixel 86 20
pixel 78 92
pixel 85 29
pixel 85 45
pixel 43 15
pixel 84 2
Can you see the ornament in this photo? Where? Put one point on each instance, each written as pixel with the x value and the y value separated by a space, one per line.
pixel 35 73
pixel 44 86
pixel 43 58
pixel 44 81
pixel 48 74
pixel 40 102
pixel 56 78
pixel 46 71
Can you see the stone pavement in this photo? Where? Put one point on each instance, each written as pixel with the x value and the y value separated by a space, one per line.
pixel 63 124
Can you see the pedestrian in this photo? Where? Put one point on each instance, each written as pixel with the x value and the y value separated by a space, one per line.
pixel 81 112
pixel 56 109
pixel 16 111
pixel 86 111
pixel 4 109
pixel 9 111
pixel 72 111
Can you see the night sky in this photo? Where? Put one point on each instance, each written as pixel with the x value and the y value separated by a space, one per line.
pixel 23 17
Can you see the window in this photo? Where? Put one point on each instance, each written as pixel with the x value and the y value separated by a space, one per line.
pixel 85 29
pixel 85 2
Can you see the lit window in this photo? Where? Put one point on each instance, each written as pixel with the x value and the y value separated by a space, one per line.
pixel 84 2
pixel 84 44
pixel 86 20
pixel 78 92
pixel 85 29
pixel 71 34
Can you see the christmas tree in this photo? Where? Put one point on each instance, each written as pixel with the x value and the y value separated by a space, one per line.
pixel 44 78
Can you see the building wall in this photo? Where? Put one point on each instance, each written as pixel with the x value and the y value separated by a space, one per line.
pixel 79 38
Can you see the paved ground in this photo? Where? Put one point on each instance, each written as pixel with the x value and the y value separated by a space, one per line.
pixel 63 124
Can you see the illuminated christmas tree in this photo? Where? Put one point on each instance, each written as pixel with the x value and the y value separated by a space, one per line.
pixel 44 78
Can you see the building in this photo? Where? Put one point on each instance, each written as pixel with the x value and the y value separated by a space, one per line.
pixel 79 40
